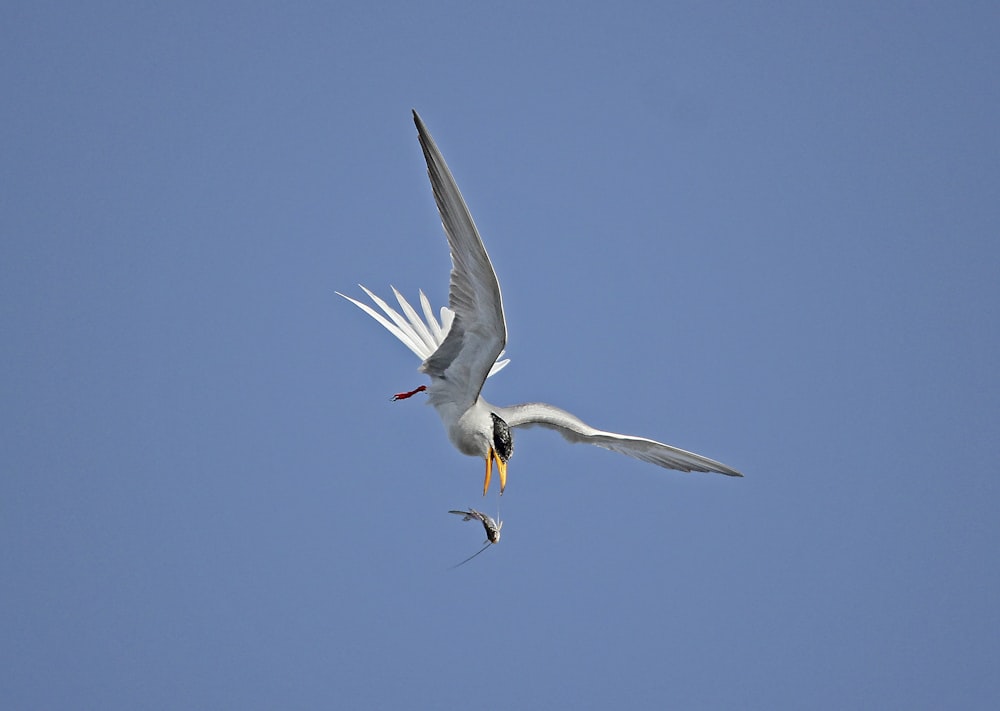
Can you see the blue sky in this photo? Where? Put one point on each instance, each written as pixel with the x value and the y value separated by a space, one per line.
pixel 764 232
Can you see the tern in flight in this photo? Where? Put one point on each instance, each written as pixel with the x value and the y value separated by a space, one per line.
pixel 466 347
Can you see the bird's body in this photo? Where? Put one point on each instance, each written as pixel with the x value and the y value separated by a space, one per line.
pixel 466 347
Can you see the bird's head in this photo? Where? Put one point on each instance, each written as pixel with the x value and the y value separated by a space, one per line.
pixel 503 440
pixel 499 449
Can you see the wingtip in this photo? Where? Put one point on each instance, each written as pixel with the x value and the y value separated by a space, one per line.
pixel 423 135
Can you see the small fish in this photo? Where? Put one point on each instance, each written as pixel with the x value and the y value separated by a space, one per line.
pixel 491 526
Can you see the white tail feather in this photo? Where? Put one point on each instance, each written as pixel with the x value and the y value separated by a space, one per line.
pixel 420 336
pixel 435 327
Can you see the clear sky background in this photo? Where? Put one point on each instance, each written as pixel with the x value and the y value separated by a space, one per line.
pixel 765 232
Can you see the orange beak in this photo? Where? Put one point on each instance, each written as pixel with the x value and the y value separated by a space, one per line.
pixel 501 467
pixel 489 470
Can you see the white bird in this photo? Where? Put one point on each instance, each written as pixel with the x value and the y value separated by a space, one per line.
pixel 466 347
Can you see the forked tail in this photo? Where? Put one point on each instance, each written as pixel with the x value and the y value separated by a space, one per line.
pixel 422 336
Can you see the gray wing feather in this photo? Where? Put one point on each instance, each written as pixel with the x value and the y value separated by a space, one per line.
pixel 576 430
pixel 478 333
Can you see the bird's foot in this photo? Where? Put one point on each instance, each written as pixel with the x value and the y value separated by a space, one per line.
pixel 403 396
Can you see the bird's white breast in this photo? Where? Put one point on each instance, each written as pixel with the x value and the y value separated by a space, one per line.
pixel 469 431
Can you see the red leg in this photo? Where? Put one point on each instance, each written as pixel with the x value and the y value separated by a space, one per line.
pixel 403 396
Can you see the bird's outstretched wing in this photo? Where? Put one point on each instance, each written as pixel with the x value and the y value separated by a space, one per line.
pixel 576 430
pixel 424 335
pixel 478 332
